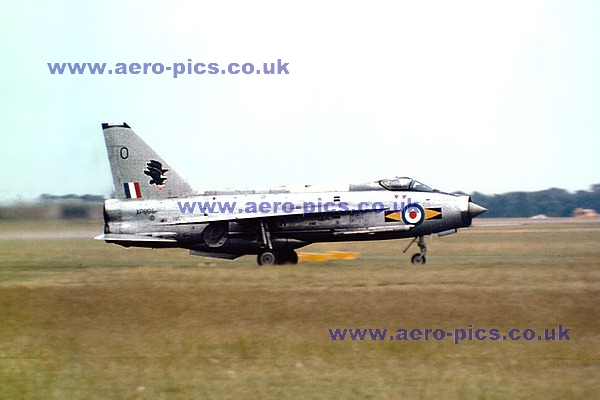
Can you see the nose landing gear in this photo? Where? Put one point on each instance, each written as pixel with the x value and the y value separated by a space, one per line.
pixel 418 258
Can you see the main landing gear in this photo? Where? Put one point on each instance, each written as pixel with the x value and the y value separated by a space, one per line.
pixel 419 258
pixel 270 256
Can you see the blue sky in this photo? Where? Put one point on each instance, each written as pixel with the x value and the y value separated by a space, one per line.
pixel 464 95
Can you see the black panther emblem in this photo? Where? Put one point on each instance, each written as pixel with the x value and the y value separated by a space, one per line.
pixel 154 170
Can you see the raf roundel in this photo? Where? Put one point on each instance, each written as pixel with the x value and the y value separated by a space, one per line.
pixel 413 214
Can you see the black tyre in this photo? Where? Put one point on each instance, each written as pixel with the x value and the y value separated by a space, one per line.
pixel 268 257
pixel 418 259
pixel 288 257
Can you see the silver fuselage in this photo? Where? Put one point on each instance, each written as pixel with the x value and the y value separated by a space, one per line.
pixel 343 216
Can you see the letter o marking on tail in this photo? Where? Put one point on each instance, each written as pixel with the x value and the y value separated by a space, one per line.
pixel 124 153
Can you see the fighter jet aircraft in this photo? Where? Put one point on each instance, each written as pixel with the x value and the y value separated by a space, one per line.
pixel 156 208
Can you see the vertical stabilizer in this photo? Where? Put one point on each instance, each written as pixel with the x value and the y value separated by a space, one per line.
pixel 138 171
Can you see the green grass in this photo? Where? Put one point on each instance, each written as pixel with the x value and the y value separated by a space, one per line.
pixel 84 319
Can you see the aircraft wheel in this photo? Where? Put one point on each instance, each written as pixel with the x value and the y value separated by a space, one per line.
pixel 418 259
pixel 267 257
pixel 288 257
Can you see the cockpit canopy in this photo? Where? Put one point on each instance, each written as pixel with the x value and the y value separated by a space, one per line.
pixel 404 183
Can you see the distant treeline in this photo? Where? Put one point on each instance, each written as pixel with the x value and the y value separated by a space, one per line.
pixel 88 198
pixel 551 202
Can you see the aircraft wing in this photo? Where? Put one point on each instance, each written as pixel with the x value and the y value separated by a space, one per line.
pixel 239 216
pixel 153 237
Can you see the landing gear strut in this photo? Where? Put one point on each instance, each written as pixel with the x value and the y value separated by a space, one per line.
pixel 419 258
pixel 267 256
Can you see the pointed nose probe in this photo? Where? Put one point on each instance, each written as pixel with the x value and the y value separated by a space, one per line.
pixel 475 209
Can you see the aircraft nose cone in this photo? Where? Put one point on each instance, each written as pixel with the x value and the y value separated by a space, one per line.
pixel 475 209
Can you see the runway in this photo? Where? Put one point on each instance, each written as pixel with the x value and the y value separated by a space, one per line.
pixel 84 319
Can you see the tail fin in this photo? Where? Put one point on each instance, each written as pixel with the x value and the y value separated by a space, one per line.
pixel 138 171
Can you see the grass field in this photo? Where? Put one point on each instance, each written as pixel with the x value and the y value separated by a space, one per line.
pixel 81 319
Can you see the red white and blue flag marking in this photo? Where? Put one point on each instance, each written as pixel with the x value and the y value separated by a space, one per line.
pixel 132 190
